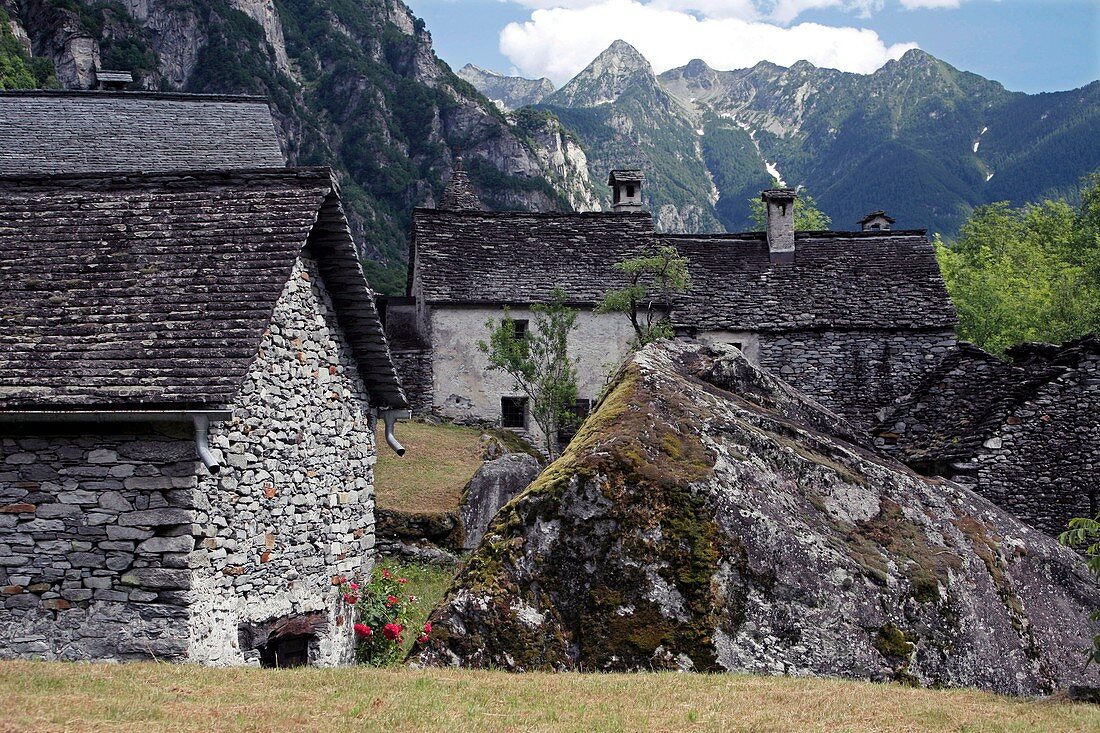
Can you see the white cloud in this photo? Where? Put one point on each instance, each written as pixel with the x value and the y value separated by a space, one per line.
pixel 914 4
pixel 560 41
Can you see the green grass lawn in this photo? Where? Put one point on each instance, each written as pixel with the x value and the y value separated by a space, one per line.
pixel 39 696
pixel 439 461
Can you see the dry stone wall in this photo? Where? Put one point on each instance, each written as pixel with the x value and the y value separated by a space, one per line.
pixel 294 504
pixel 853 373
pixel 95 536
pixel 1042 463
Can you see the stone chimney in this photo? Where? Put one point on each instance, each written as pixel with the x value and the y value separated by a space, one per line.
pixel 780 207
pixel 876 221
pixel 626 190
pixel 458 194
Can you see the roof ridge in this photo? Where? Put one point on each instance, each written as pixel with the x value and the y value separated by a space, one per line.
pixel 135 94
pixel 59 180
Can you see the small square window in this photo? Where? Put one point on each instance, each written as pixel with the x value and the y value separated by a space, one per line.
pixel 519 330
pixel 579 412
pixel 513 412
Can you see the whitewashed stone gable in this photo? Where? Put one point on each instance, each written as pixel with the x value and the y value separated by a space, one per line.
pixel 294 503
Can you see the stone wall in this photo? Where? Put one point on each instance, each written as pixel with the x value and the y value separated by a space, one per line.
pixel 853 373
pixel 294 503
pixel 414 369
pixel 463 390
pixel 1043 462
pixel 95 536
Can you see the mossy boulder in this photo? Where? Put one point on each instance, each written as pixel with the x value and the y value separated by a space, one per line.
pixel 709 517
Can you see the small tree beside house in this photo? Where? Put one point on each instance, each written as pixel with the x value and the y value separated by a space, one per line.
pixel 539 362
pixel 652 281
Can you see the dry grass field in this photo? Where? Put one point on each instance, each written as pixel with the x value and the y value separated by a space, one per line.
pixel 38 696
pixel 440 459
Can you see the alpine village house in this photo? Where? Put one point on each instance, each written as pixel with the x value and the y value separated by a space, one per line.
pixel 860 321
pixel 191 366
pixel 853 319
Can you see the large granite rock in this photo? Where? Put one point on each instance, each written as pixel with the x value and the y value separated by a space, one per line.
pixel 493 486
pixel 709 517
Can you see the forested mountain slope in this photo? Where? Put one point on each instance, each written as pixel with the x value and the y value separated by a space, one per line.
pixel 919 138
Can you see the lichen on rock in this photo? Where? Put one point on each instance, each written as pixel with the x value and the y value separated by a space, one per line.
pixel 709 517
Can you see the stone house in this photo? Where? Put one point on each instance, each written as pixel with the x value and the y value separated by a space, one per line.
pixel 191 367
pixel 1024 433
pixel 851 318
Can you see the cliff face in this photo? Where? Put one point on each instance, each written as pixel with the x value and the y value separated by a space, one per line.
pixel 709 517
pixel 507 92
pixel 356 86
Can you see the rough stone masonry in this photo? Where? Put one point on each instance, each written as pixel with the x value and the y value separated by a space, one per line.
pixel 116 544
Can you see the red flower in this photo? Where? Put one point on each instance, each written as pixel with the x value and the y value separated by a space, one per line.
pixel 428 628
pixel 339 580
pixel 422 639
pixel 385 574
pixel 363 630
pixel 402 580
pixel 391 600
pixel 393 631
pixel 353 586
pixel 351 598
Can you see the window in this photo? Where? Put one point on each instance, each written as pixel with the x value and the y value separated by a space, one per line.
pixel 630 190
pixel 519 330
pixel 739 345
pixel 580 411
pixel 513 412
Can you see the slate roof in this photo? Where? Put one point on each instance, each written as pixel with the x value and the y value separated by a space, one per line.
pixel 95 131
pixel 146 291
pixel 970 394
pixel 518 258
pixel 854 280
pixel 887 279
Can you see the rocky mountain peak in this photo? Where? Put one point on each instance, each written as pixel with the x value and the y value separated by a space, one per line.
pixel 607 77
pixel 508 92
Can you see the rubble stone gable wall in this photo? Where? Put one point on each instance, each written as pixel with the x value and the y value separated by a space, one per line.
pixel 853 373
pixel 294 503
pixel 1042 463
pixel 95 532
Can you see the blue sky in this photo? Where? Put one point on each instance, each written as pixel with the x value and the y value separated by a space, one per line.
pixel 1028 45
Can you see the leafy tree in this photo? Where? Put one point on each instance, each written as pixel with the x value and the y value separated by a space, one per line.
pixel 1085 533
pixel 807 216
pixel 1027 274
pixel 653 279
pixel 538 360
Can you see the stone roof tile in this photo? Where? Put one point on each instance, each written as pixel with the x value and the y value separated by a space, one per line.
pixel 153 290
pixel 85 132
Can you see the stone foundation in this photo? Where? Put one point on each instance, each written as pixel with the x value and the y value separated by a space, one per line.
pixel 95 537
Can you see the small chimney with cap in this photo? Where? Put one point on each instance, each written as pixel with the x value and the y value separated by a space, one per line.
pixel 780 207
pixel 626 190
pixel 876 221
pixel 111 80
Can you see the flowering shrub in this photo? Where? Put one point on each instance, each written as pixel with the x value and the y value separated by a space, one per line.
pixel 383 609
